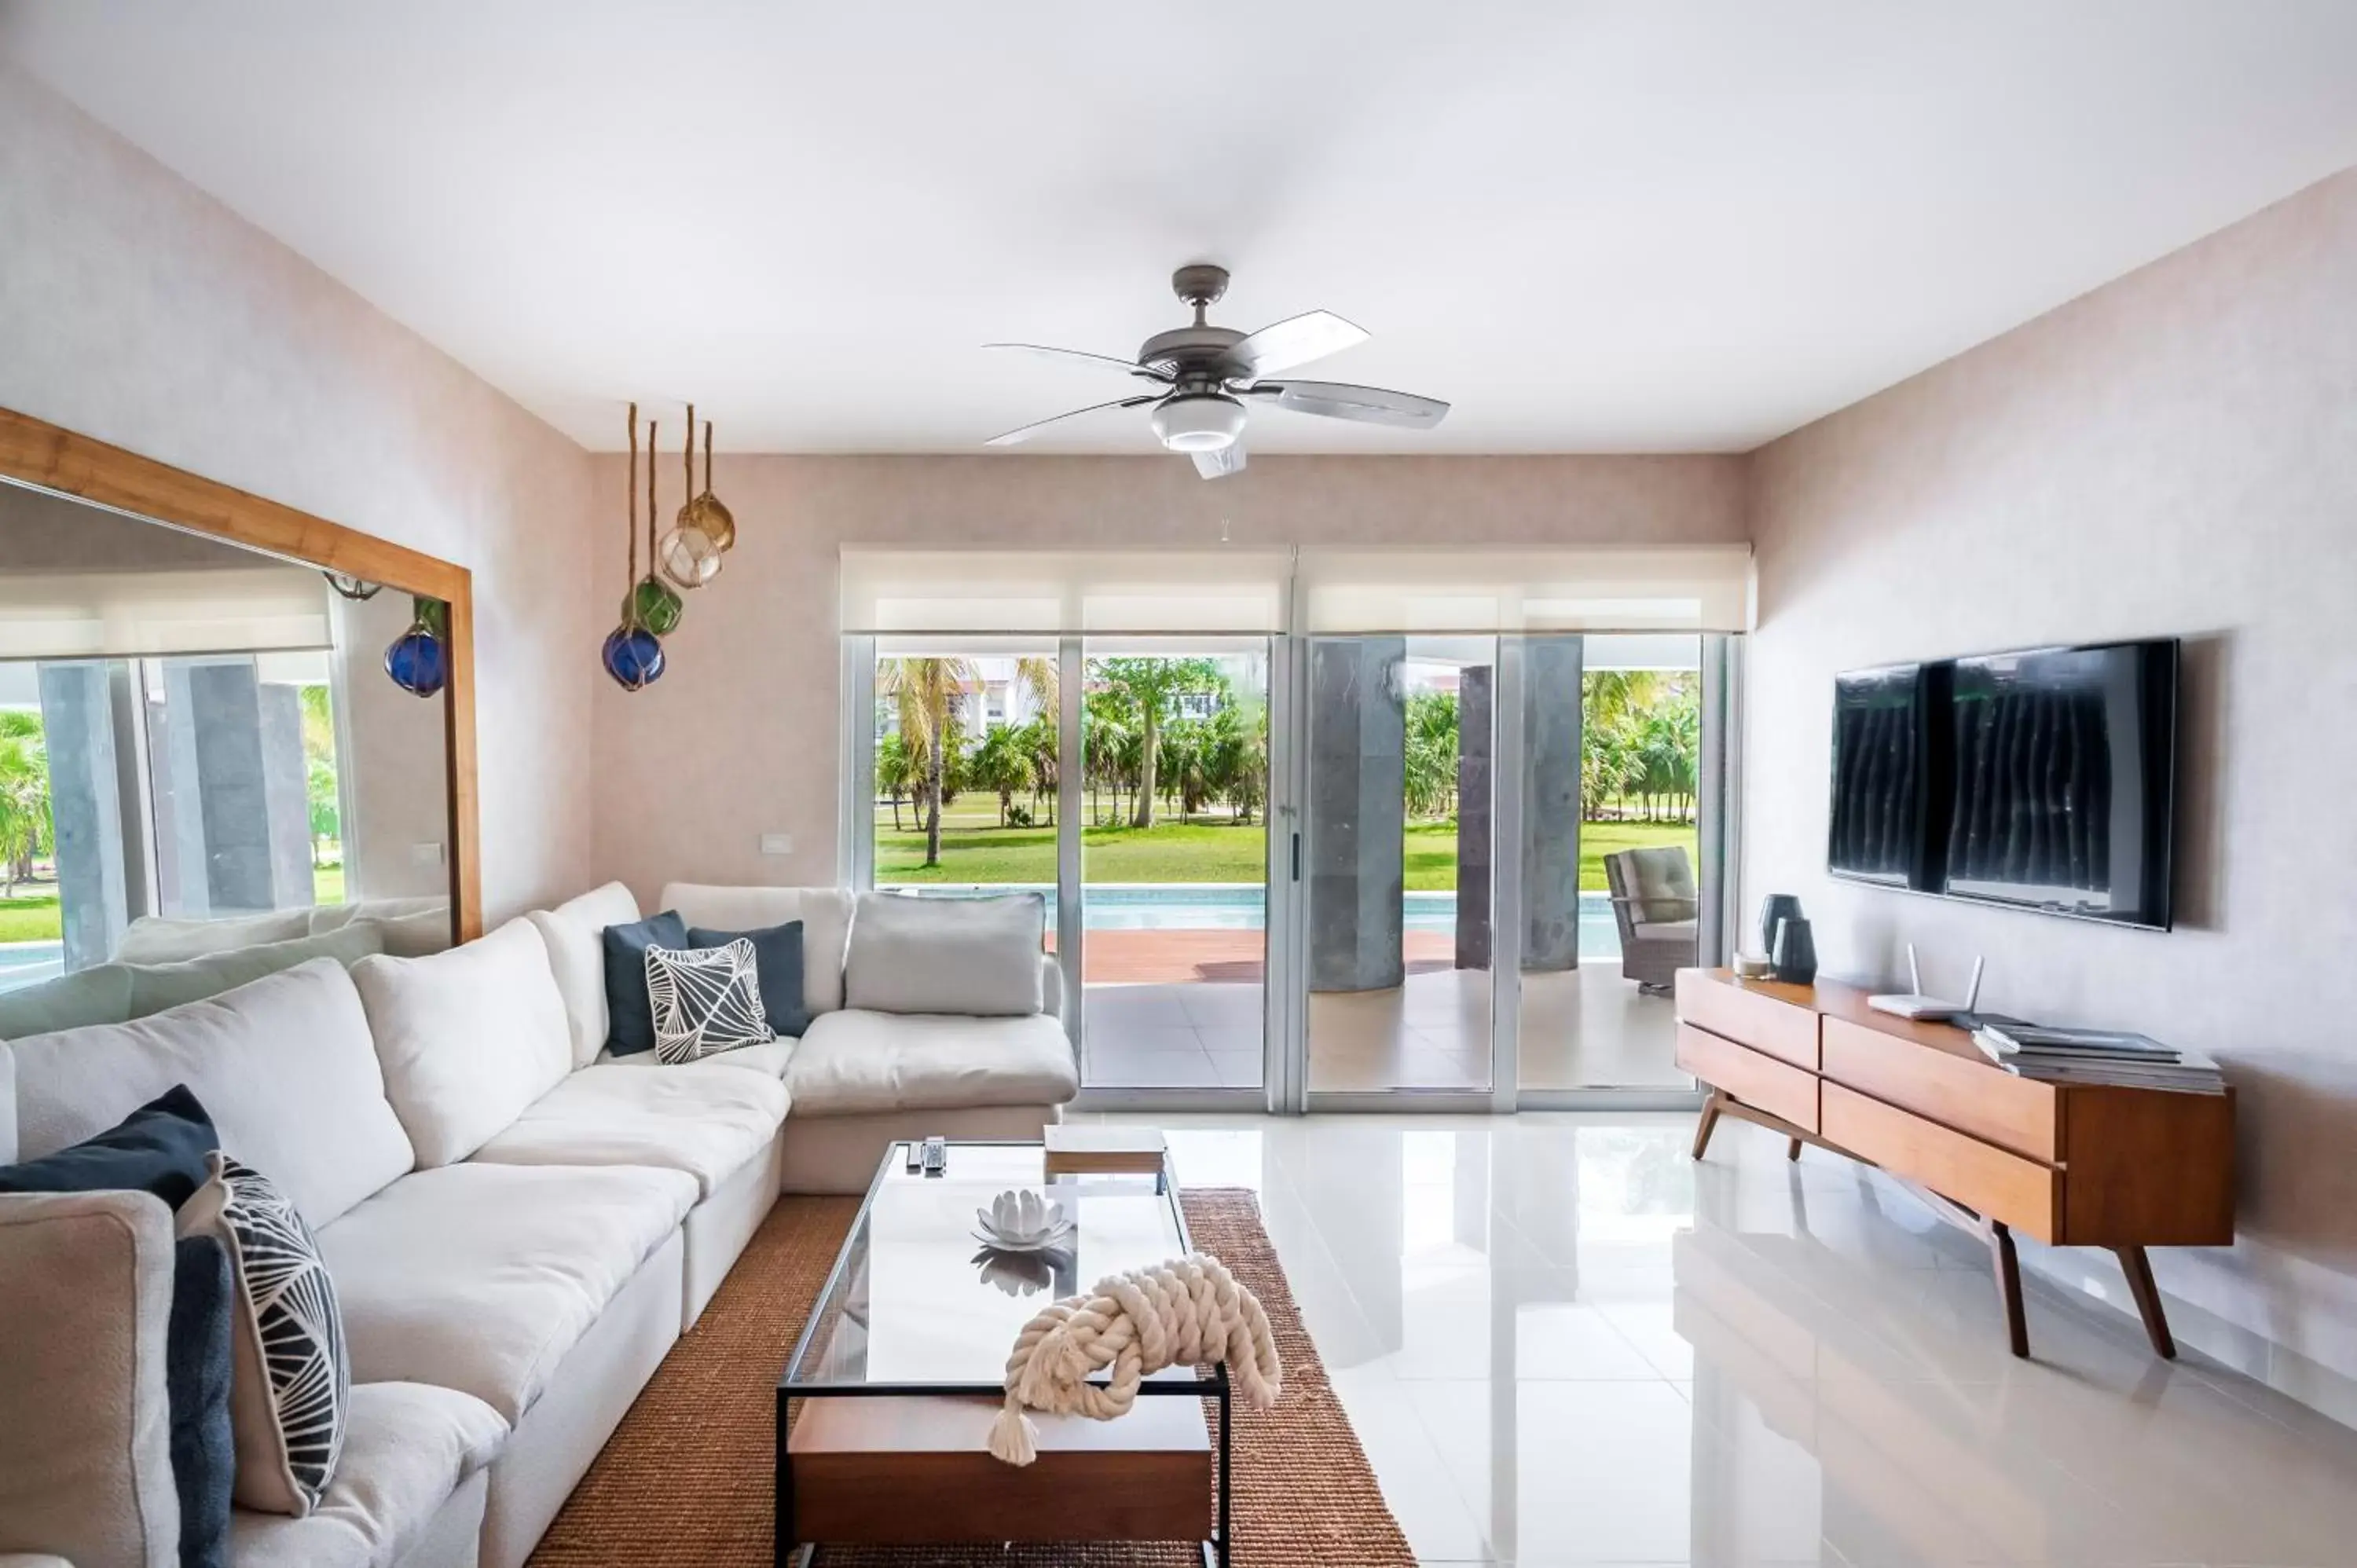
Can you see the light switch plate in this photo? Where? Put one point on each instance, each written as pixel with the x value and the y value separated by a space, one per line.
pixel 777 843
pixel 425 853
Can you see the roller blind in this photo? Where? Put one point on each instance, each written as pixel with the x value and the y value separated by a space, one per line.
pixel 1054 592
pixel 131 615
pixel 1668 588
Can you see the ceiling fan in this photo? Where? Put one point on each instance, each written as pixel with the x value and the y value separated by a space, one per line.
pixel 1205 377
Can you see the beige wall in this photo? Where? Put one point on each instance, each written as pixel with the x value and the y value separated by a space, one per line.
pixel 2174 453
pixel 740 736
pixel 137 309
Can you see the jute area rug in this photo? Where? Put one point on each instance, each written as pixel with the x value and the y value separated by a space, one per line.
pixel 685 1482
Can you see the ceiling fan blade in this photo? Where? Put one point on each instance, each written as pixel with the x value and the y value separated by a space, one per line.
pixel 1025 433
pixel 1296 342
pixel 1228 459
pixel 1339 400
pixel 1126 366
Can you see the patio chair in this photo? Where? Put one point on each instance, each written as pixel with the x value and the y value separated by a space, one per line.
pixel 1655 906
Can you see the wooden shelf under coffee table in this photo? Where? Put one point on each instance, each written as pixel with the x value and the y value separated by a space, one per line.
pixel 884 1407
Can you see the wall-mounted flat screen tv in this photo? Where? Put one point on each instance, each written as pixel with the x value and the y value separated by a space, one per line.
pixel 2042 778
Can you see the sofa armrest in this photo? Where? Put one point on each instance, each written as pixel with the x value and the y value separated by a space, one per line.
pixel 85 1430
pixel 1051 986
pixel 31 1560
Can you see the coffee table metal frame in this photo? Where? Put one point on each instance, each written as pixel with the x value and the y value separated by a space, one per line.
pixel 805 1554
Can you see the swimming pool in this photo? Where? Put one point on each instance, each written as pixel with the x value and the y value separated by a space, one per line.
pixel 1244 907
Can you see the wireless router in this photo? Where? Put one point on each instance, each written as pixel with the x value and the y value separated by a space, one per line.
pixel 1929 1009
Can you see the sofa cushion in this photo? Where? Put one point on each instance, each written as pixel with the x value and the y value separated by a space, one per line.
pixel 771 1059
pixel 979 957
pixel 156 986
pixel 706 1123
pixel 629 1011
pixel 824 914
pixel 285 1066
pixel 480 1277
pixel 1664 885
pixel 574 932
pixel 855 1062
pixel 153 939
pixel 407 1447
pixel 412 927
pixel 468 1037
pixel 99 995
pixel 90 1478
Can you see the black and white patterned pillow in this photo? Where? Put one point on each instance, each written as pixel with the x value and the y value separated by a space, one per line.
pixel 705 1000
pixel 290 1378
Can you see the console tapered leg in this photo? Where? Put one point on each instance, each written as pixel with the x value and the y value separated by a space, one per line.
pixel 2008 1287
pixel 1708 1124
pixel 2147 1300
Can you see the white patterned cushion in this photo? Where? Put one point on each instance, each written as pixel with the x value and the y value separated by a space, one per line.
pixel 290 1378
pixel 706 1001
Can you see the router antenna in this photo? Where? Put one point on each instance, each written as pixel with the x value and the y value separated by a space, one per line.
pixel 1914 975
pixel 1973 997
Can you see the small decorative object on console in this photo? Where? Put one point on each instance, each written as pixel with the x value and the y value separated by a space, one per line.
pixel 1795 952
pixel 935 1159
pixel 1751 966
pixel 1774 910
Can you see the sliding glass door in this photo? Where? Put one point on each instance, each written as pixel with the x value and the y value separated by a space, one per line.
pixel 1291 857
pixel 1174 850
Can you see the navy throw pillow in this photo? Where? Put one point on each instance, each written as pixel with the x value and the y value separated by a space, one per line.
pixel 778 962
pixel 196 1385
pixel 163 1149
pixel 159 1148
pixel 631 1018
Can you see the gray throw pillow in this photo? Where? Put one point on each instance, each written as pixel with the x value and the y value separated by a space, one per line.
pixel 971 957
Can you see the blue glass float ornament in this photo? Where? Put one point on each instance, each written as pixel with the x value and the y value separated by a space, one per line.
pixel 418 662
pixel 633 657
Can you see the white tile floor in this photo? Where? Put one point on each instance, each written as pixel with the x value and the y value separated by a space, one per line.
pixel 1581 1028
pixel 1563 1342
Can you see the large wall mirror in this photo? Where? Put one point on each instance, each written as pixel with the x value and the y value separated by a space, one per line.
pixel 224 725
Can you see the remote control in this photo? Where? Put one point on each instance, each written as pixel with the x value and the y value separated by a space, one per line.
pixel 936 1156
pixel 916 1155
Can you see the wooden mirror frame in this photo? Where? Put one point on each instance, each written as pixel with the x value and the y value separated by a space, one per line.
pixel 34 452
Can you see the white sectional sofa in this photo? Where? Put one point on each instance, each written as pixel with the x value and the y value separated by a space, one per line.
pixel 517 1227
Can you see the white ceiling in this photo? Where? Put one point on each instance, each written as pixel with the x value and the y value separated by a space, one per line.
pixel 1594 227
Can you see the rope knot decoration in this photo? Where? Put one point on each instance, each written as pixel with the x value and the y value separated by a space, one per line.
pixel 1186 1313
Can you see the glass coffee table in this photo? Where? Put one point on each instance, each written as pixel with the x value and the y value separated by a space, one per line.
pixel 902 1365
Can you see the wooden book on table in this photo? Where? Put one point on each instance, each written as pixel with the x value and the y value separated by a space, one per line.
pixel 1078 1150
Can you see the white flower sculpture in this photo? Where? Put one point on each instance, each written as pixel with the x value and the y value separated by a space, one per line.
pixel 1023 1221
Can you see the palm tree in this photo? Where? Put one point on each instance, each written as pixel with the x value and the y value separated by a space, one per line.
pixel 1001 765
pixel 1039 745
pixel 1431 752
pixel 1154 684
pixel 26 828
pixel 896 772
pixel 924 694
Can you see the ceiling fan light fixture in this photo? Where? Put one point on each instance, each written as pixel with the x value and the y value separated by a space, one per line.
pixel 1198 422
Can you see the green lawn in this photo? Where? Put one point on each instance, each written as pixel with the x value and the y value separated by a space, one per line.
pixel 33 916
pixel 975 850
pixel 30 917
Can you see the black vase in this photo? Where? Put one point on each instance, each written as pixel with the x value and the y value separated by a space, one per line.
pixel 1774 909
pixel 1794 955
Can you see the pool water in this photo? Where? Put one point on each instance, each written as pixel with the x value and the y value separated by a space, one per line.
pixel 1244 907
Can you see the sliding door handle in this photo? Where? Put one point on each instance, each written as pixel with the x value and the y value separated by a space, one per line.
pixel 1297 858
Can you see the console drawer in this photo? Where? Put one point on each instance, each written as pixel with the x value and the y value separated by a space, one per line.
pixel 1962 1092
pixel 1982 1177
pixel 1756 1018
pixel 1756 1079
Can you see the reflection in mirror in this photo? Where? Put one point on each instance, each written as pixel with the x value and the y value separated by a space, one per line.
pixel 200 754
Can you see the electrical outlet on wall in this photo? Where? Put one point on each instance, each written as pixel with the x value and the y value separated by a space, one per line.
pixel 777 843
